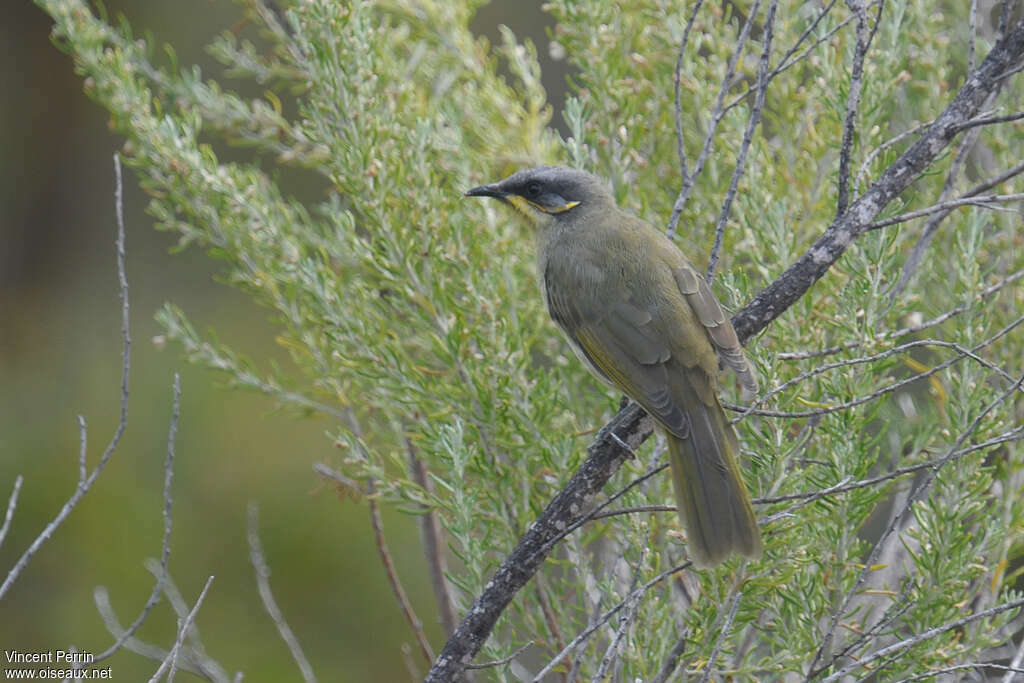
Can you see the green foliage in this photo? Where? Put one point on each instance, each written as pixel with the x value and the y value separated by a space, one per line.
pixel 412 315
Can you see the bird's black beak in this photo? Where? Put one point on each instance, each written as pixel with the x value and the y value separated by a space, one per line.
pixel 491 190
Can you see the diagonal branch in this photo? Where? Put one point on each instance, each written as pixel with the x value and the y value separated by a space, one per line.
pixel 632 426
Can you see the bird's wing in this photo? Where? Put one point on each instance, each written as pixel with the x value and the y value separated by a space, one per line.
pixel 621 343
pixel 703 302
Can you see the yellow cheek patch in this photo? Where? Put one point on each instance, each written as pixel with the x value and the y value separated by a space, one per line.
pixel 526 206
pixel 557 209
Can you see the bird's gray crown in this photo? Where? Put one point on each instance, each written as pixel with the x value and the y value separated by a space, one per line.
pixel 571 184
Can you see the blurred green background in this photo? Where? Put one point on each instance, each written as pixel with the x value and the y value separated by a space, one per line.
pixel 60 357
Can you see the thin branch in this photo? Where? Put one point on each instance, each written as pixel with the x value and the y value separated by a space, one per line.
pixel 931 227
pixel 625 620
pixel 133 644
pixel 717 114
pixel 911 329
pixel 846 485
pixel 899 606
pixel 945 207
pixel 433 545
pixel 990 120
pixel 12 503
pixel 501 662
pixel 939 319
pixel 165 546
pixel 680 148
pixel 549 614
pixel 593 514
pixel 975 666
pixel 748 136
pixel 1015 663
pixel 896 139
pixel 887 389
pixel 604 618
pixel 262 571
pixel 972 33
pixel 788 60
pixel 853 103
pixel 668 667
pixel 842 486
pixel 347 484
pixel 634 510
pixel 170 662
pixel 84 484
pixel 197 650
pixel 922 637
pixel 734 604
pixel 389 568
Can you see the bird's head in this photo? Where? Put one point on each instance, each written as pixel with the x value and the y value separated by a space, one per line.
pixel 548 195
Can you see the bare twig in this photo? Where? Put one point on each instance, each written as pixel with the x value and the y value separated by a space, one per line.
pixel 668 667
pixel 841 487
pixel 717 114
pixel 911 329
pixel 433 545
pixel 972 34
pixel 165 546
pixel 887 389
pixel 604 618
pixel 931 227
pixel 625 620
pixel 327 472
pixel 86 482
pixel 734 604
pixel 634 510
pixel 684 172
pixel 133 644
pixel 846 485
pixel 896 139
pixel 788 60
pixel 196 649
pixel 922 637
pixel 753 120
pixel 945 207
pixel 501 662
pixel 262 571
pixel 597 509
pixel 1015 663
pixel 12 503
pixel 974 666
pixel 853 102
pixel 547 611
pixel 990 120
pixel 170 663
pixel 389 568
pixel 899 606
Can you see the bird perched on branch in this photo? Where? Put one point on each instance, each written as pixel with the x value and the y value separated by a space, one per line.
pixel 643 320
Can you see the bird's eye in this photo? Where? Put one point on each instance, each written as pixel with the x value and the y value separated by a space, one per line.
pixel 533 189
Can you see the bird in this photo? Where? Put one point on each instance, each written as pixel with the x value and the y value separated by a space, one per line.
pixel 643 320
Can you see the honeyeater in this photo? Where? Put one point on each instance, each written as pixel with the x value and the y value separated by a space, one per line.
pixel 642 319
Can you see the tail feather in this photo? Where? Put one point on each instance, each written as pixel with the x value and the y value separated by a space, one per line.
pixel 713 503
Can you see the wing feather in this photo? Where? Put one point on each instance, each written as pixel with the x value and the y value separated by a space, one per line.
pixel 720 330
pixel 620 343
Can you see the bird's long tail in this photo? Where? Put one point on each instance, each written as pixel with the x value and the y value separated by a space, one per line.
pixel 713 503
